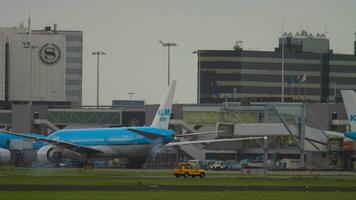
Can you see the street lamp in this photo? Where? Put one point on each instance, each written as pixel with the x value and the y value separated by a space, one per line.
pixel 98 54
pixel 30 46
pixel 282 61
pixel 169 45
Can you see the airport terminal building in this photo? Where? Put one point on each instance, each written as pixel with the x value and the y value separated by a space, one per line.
pixel 41 66
pixel 312 72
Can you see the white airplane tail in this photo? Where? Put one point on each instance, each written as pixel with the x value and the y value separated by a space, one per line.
pixel 349 97
pixel 164 111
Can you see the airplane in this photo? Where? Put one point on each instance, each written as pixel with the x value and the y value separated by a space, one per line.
pixel 133 143
pixel 349 97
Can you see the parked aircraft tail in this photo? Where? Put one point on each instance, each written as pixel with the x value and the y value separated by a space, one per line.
pixel 349 97
pixel 164 111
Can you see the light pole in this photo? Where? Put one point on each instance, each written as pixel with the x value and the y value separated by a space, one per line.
pixel 30 46
pixel 98 54
pixel 282 99
pixel 335 92
pixel 169 45
pixel 198 96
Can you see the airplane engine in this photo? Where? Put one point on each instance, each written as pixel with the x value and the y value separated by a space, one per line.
pixel 49 154
pixel 5 156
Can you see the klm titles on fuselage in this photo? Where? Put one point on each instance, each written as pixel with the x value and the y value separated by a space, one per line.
pixel 164 114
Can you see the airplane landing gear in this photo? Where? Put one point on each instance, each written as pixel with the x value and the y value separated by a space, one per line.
pixel 88 165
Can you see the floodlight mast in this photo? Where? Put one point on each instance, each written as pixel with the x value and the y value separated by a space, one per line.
pixel 98 54
pixel 168 45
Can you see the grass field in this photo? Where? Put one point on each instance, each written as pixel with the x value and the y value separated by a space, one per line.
pixel 61 179
pixel 94 195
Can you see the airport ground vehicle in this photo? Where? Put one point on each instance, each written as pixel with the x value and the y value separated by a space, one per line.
pixel 218 165
pixel 186 169
pixel 201 164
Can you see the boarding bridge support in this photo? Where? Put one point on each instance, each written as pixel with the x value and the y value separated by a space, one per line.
pixel 179 122
pixel 265 152
pixel 301 131
pixel 302 136
pixel 192 150
pixel 46 123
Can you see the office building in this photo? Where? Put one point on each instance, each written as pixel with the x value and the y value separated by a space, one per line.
pixel 312 72
pixel 40 66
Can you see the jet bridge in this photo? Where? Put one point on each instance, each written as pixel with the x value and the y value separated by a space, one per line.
pixel 36 118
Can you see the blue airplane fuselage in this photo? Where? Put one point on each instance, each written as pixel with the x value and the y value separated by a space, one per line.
pixel 127 143
pixel 351 134
pixel 110 136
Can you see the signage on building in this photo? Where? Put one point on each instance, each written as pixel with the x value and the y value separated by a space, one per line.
pixel 50 54
pixel 128 102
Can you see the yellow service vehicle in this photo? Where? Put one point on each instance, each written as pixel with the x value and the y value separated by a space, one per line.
pixel 186 169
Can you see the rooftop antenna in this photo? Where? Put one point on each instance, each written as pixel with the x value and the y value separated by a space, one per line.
pixel 306 24
pixel 29 21
pixel 301 26
pixel 282 62
pixel 325 28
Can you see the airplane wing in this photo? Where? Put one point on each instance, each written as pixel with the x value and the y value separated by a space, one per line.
pixel 198 133
pixel 211 141
pixel 148 135
pixel 155 136
pixel 74 147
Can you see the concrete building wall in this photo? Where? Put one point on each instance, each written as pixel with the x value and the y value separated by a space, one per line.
pixel 23 115
pixel 320 115
pixel 5 34
pixel 315 45
pixel 37 73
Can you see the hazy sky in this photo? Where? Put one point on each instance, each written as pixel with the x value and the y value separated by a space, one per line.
pixel 128 31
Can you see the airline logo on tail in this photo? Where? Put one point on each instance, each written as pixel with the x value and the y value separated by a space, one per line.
pixel 164 114
pixel 161 119
pixel 349 97
pixel 353 118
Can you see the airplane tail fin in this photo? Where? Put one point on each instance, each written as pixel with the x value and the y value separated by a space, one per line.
pixel 349 97
pixel 163 114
